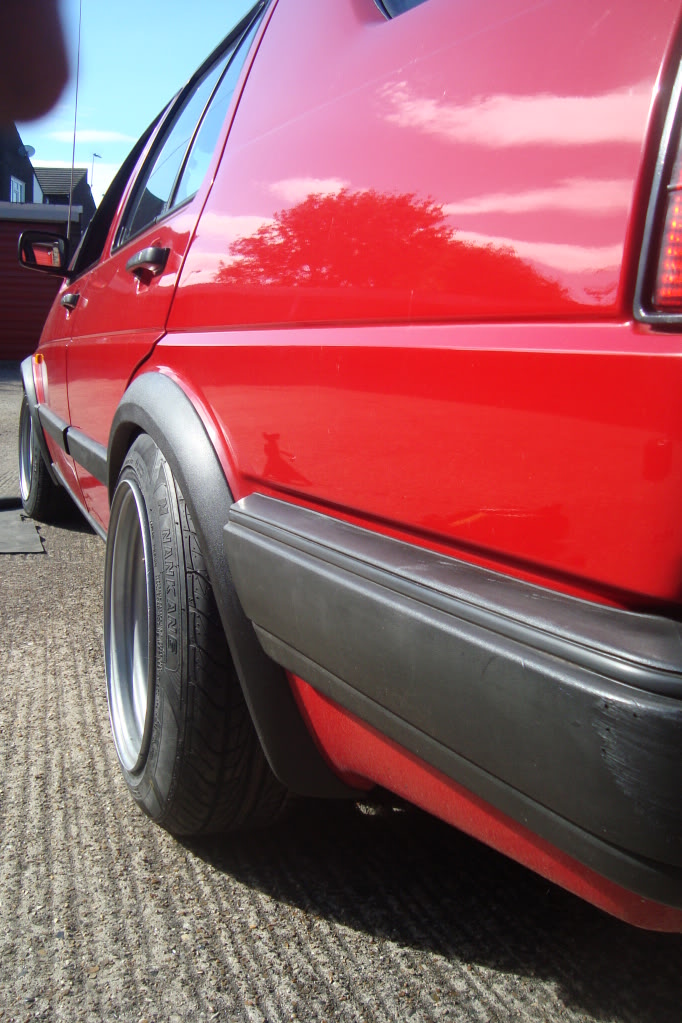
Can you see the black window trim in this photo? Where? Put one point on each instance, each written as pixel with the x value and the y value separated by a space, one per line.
pixel 671 140
pixel 106 211
pixel 233 38
pixel 385 8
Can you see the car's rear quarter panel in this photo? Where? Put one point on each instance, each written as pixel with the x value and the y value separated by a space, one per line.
pixel 408 295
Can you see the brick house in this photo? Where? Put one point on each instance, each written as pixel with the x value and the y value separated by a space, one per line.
pixel 25 296
pixel 17 179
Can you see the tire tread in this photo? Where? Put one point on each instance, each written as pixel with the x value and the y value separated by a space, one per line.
pixel 222 780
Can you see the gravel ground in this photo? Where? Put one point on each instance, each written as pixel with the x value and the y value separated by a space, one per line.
pixel 343 913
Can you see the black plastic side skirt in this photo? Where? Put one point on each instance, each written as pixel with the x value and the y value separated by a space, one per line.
pixel 155 405
pixel 563 714
pixel 88 453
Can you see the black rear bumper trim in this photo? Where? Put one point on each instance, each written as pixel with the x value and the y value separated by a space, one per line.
pixel 557 711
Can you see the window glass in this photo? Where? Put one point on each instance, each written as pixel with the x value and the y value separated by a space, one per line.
pixel 91 245
pixel 153 192
pixel 205 139
pixel 395 7
pixel 17 190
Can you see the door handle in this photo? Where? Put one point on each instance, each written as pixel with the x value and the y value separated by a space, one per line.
pixel 70 300
pixel 148 263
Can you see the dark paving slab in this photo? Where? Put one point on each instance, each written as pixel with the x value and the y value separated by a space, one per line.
pixel 10 403
pixel 18 535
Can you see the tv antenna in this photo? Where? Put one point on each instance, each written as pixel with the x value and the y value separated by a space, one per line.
pixel 75 118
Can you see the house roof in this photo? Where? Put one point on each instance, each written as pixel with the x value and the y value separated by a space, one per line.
pixel 57 180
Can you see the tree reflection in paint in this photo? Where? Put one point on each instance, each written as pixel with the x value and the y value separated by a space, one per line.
pixel 397 245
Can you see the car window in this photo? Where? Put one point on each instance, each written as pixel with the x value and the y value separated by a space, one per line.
pixel 91 245
pixel 154 190
pixel 182 154
pixel 394 7
pixel 204 141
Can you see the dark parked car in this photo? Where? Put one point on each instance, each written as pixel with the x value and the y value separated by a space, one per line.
pixel 369 370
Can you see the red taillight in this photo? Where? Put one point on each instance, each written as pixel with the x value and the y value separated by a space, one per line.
pixel 668 290
pixel 658 292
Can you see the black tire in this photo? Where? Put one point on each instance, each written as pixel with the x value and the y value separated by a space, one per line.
pixel 41 498
pixel 183 734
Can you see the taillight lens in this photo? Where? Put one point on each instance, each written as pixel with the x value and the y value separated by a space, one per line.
pixel 658 292
pixel 668 289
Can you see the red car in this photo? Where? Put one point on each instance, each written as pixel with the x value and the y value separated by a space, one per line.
pixel 369 368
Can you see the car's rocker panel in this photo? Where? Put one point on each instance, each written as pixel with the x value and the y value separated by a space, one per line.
pixel 505 687
pixel 82 448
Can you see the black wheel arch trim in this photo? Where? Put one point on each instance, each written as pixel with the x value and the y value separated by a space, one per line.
pixel 30 392
pixel 156 405
pixel 563 714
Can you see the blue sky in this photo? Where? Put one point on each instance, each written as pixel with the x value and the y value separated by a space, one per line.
pixel 134 56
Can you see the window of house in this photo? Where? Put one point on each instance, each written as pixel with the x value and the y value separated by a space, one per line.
pixel 17 190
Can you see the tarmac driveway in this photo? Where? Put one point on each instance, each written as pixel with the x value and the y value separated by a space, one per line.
pixel 344 913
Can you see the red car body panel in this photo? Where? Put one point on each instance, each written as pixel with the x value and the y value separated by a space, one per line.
pixel 520 130
pixel 403 297
pixel 543 503
pixel 51 382
pixel 116 324
pixel 556 173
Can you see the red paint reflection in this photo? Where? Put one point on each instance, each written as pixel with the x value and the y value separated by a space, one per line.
pixel 398 246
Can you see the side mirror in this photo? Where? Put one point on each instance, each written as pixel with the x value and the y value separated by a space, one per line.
pixel 40 250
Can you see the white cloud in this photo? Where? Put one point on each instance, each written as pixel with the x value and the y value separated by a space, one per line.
pixel 558 256
pixel 231 228
pixel 576 195
pixel 295 190
pixel 102 177
pixel 503 121
pixel 90 135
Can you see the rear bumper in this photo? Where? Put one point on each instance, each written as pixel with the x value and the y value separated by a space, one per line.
pixel 564 715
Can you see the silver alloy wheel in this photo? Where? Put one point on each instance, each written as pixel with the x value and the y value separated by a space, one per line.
pixel 129 626
pixel 26 441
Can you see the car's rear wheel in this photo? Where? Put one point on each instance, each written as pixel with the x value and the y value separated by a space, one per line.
pixel 41 498
pixel 184 738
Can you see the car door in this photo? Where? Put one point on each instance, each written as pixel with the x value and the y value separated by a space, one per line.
pixel 51 383
pixel 122 304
